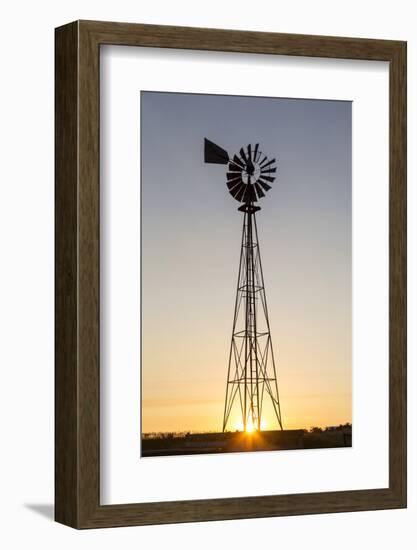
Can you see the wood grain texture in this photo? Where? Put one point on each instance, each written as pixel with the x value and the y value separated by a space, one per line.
pixel 78 285
pixel 398 273
pixel 66 237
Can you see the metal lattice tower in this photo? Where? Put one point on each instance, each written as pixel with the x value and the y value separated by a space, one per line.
pixel 251 370
pixel 251 374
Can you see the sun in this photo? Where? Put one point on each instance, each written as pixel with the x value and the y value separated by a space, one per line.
pixel 250 427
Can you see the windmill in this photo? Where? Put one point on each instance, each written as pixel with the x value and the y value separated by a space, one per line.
pixel 251 373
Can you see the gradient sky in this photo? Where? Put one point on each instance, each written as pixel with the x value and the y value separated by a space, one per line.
pixel 191 232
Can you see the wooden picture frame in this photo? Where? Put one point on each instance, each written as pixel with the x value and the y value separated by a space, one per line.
pixel 77 404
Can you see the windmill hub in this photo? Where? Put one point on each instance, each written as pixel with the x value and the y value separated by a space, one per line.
pixel 249 174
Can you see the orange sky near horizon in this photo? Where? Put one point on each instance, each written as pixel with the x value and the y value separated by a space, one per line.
pixel 194 402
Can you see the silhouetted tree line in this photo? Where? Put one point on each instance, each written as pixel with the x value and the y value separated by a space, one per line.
pixel 339 428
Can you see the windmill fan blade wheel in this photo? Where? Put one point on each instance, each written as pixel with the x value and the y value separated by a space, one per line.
pixel 248 171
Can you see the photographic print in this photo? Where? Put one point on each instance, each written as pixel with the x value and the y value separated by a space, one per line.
pixel 246 265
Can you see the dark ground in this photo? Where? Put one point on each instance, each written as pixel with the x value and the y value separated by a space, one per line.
pixel 229 442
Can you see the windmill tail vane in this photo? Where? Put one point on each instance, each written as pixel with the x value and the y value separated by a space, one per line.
pixel 251 373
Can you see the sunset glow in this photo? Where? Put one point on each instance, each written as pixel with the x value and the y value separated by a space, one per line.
pixel 190 260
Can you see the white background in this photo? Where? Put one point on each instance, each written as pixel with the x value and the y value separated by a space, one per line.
pixel 26 290
pixel 126 478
